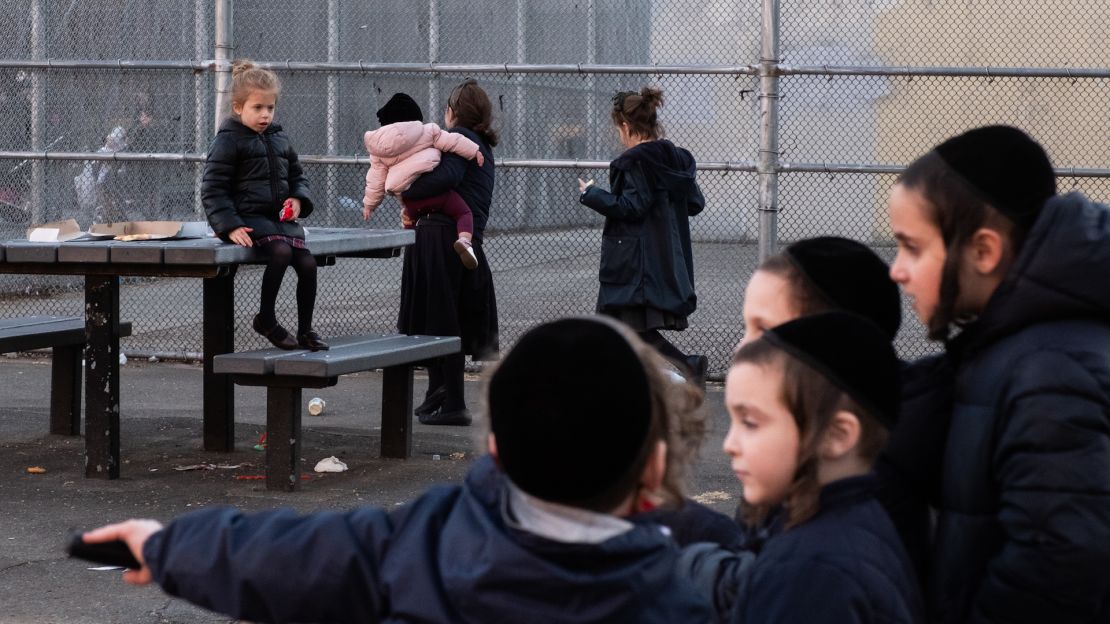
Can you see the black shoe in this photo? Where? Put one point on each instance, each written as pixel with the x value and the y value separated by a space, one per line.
pixel 311 340
pixel 277 335
pixel 432 401
pixel 699 368
pixel 458 418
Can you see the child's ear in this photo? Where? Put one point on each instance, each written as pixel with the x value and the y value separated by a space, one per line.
pixel 491 445
pixel 841 436
pixel 986 250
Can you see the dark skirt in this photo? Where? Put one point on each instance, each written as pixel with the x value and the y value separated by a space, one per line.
pixel 434 283
pixel 643 318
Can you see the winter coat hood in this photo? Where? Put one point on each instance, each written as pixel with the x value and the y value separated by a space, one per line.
pixel 395 139
pixel 496 568
pixel 674 166
pixel 1057 274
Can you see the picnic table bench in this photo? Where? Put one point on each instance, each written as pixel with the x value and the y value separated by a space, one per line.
pixel 285 373
pixel 65 336
pixel 104 262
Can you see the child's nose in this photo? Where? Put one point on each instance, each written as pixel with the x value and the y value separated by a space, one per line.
pixel 731 445
pixel 897 273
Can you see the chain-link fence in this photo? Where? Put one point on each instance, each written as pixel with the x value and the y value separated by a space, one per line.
pixel 799 116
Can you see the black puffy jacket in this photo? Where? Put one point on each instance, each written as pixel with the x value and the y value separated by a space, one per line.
pixel 646 256
pixel 1024 528
pixel 247 176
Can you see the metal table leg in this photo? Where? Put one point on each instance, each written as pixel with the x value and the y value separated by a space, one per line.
pixel 102 376
pixel 219 337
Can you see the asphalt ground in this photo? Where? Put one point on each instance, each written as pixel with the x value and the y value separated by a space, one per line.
pixel 161 431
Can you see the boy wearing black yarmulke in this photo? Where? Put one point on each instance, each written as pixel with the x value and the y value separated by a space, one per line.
pixel 542 530
pixel 987 248
pixel 810 404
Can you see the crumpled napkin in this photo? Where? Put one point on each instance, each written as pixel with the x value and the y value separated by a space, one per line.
pixel 330 464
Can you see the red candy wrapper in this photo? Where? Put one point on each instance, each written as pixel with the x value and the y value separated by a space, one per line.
pixel 286 213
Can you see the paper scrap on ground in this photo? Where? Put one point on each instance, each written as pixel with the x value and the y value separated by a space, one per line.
pixel 715 496
pixel 103 568
pixel 330 464
pixel 210 466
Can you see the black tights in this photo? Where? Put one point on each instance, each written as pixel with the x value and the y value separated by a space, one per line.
pixel 664 347
pixel 282 255
pixel 448 371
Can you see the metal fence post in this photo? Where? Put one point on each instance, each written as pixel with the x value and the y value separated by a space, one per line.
pixel 435 107
pixel 38 167
pixel 591 82
pixel 330 183
pixel 519 104
pixel 224 45
pixel 768 162
pixel 200 137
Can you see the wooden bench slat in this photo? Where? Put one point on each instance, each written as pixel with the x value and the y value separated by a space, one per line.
pixel 42 335
pixel 26 251
pixel 382 353
pixel 261 361
pixel 26 321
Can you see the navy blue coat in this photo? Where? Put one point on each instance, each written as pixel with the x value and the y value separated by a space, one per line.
pixel 909 468
pixel 646 255
pixel 693 523
pixel 449 556
pixel 845 565
pixel 1024 528
pixel 247 176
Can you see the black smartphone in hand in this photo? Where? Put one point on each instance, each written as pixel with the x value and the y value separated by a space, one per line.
pixel 114 553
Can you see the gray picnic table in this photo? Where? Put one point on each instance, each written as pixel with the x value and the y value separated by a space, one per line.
pixel 102 262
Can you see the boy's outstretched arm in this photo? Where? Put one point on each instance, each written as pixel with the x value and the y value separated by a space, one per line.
pixel 274 566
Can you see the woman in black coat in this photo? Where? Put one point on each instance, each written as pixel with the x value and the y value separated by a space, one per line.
pixel 647 264
pixel 439 297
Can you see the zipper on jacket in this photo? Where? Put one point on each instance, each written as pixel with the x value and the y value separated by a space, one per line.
pixel 271 157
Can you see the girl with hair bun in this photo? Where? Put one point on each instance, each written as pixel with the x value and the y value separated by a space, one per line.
pixel 647 263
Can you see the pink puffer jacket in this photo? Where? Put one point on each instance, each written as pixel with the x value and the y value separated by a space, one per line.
pixel 400 152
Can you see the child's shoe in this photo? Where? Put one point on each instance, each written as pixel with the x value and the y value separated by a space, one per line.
pixel 466 253
pixel 311 340
pixel 277 335
pixel 699 367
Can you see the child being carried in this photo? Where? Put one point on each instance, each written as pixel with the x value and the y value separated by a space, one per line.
pixel 403 149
